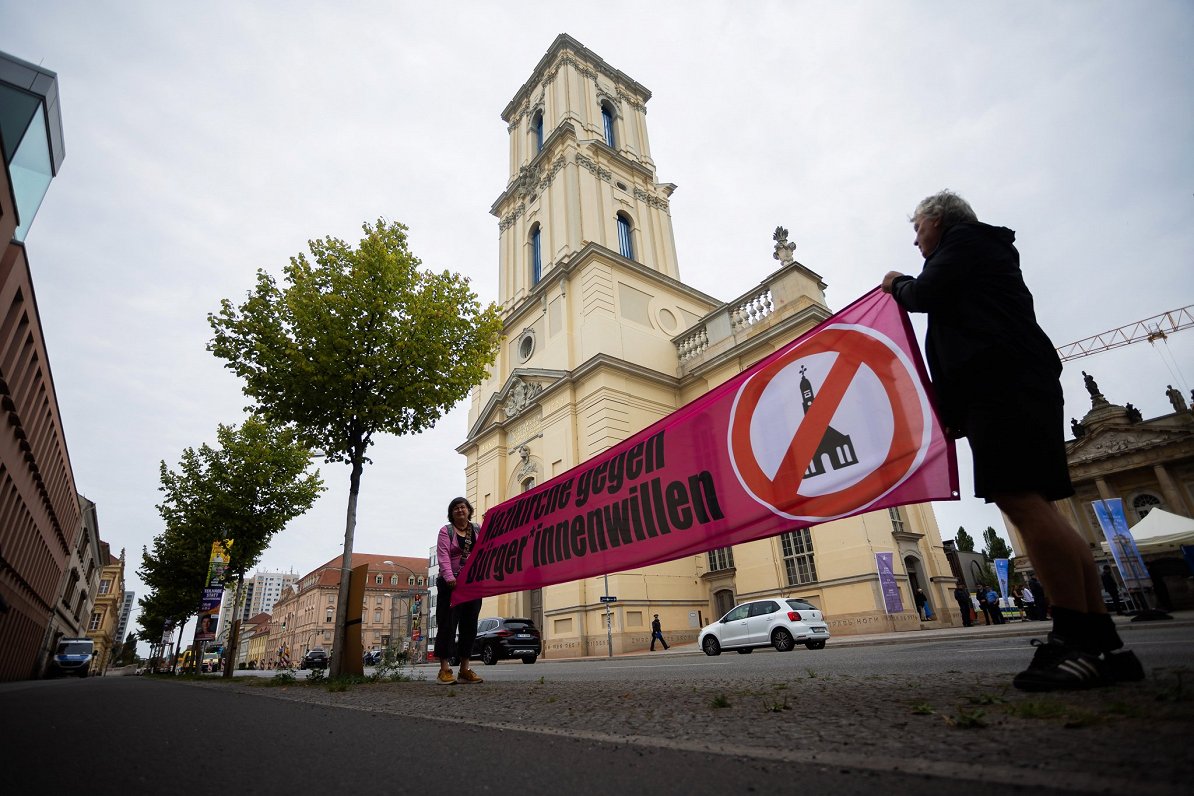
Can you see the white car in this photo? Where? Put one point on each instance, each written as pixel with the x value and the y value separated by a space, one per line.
pixel 773 622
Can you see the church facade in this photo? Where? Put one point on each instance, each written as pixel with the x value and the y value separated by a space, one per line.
pixel 1148 463
pixel 603 338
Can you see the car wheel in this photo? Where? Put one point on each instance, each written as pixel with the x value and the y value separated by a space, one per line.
pixel 530 659
pixel 815 645
pixel 489 655
pixel 782 640
pixel 711 646
pixel 746 651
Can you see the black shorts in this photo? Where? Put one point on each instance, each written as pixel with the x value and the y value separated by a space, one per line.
pixel 1017 438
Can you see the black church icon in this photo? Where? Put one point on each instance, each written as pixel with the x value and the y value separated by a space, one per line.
pixel 835 446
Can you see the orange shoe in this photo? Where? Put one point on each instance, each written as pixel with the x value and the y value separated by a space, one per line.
pixel 469 676
pixel 445 677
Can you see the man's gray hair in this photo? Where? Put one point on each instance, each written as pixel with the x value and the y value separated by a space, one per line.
pixel 947 206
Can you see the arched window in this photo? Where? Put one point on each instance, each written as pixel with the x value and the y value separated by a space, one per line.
pixel 536 256
pixel 1144 503
pixel 607 123
pixel 537 131
pixel 625 240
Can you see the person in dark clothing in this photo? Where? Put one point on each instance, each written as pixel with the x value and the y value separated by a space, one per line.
pixel 1112 588
pixel 980 594
pixel 1039 598
pixel 963 599
pixel 657 633
pixel 996 376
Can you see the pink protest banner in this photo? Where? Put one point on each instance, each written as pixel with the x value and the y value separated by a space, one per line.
pixel 836 423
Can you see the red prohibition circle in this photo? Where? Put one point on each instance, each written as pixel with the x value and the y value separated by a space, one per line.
pixel 854 348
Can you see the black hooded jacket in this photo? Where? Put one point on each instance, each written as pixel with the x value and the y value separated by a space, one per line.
pixel 982 326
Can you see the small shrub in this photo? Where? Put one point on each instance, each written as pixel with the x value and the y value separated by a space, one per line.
pixel 719 701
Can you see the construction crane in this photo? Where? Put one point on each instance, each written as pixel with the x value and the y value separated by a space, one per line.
pixel 1151 329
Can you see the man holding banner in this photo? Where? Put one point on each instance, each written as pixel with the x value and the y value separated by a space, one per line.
pixel 997 379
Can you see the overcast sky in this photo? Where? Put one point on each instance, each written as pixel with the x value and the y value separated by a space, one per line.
pixel 206 141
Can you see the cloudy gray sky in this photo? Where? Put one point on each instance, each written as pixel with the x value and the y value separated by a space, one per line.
pixel 206 141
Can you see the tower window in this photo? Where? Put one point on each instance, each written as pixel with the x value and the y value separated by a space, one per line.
pixel 607 123
pixel 536 257
pixel 625 241
pixel 537 131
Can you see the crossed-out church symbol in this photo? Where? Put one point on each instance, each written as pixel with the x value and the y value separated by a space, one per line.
pixel 835 446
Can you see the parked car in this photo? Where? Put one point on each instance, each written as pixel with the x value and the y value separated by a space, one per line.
pixel 316 658
pixel 774 622
pixel 499 638
pixel 72 656
pixel 373 657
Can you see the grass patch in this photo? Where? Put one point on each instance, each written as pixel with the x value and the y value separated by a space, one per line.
pixel 719 701
pixel 1038 709
pixel 967 719
pixel 776 707
pixel 922 709
pixel 985 699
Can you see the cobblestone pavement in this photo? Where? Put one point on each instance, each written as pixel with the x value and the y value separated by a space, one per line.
pixel 1129 738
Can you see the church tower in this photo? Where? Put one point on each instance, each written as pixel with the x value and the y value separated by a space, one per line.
pixel 581 172
pixel 602 339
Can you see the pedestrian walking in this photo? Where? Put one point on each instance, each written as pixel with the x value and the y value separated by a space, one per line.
pixel 997 379
pixel 962 596
pixel 1112 588
pixel 657 633
pixel 456 624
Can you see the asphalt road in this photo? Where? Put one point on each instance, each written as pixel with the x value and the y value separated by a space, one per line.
pixel 916 717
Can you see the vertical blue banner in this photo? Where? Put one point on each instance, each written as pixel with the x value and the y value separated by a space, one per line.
pixel 1001 572
pixel 892 601
pixel 1122 543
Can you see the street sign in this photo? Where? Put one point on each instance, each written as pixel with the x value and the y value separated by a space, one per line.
pixel 609 599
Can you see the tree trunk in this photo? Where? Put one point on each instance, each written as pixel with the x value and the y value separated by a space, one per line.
pixel 340 639
pixel 234 636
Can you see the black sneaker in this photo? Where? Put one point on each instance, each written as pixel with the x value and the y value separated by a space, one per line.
pixel 1123 667
pixel 1058 667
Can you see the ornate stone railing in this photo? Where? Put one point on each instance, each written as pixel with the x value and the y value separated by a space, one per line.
pixel 751 310
pixel 793 292
pixel 693 342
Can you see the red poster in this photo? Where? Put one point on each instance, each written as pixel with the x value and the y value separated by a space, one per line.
pixel 837 423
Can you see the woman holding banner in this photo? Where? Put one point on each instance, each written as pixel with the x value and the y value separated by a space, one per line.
pixel 996 375
pixel 456 625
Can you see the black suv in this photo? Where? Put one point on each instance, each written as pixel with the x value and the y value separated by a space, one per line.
pixel 499 638
pixel 316 658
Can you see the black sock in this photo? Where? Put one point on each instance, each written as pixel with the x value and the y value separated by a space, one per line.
pixel 1093 633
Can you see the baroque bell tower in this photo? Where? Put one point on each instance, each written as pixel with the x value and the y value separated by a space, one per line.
pixel 581 172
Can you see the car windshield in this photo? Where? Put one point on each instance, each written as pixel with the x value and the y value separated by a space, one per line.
pixel 801 605
pixel 74 648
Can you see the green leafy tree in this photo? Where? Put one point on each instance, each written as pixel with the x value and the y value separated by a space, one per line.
pixel 358 342
pixel 964 540
pixel 994 546
pixel 247 489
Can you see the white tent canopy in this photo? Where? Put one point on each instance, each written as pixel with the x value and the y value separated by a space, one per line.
pixel 1160 531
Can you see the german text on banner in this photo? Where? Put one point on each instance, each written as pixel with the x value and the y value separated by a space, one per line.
pixel 836 423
